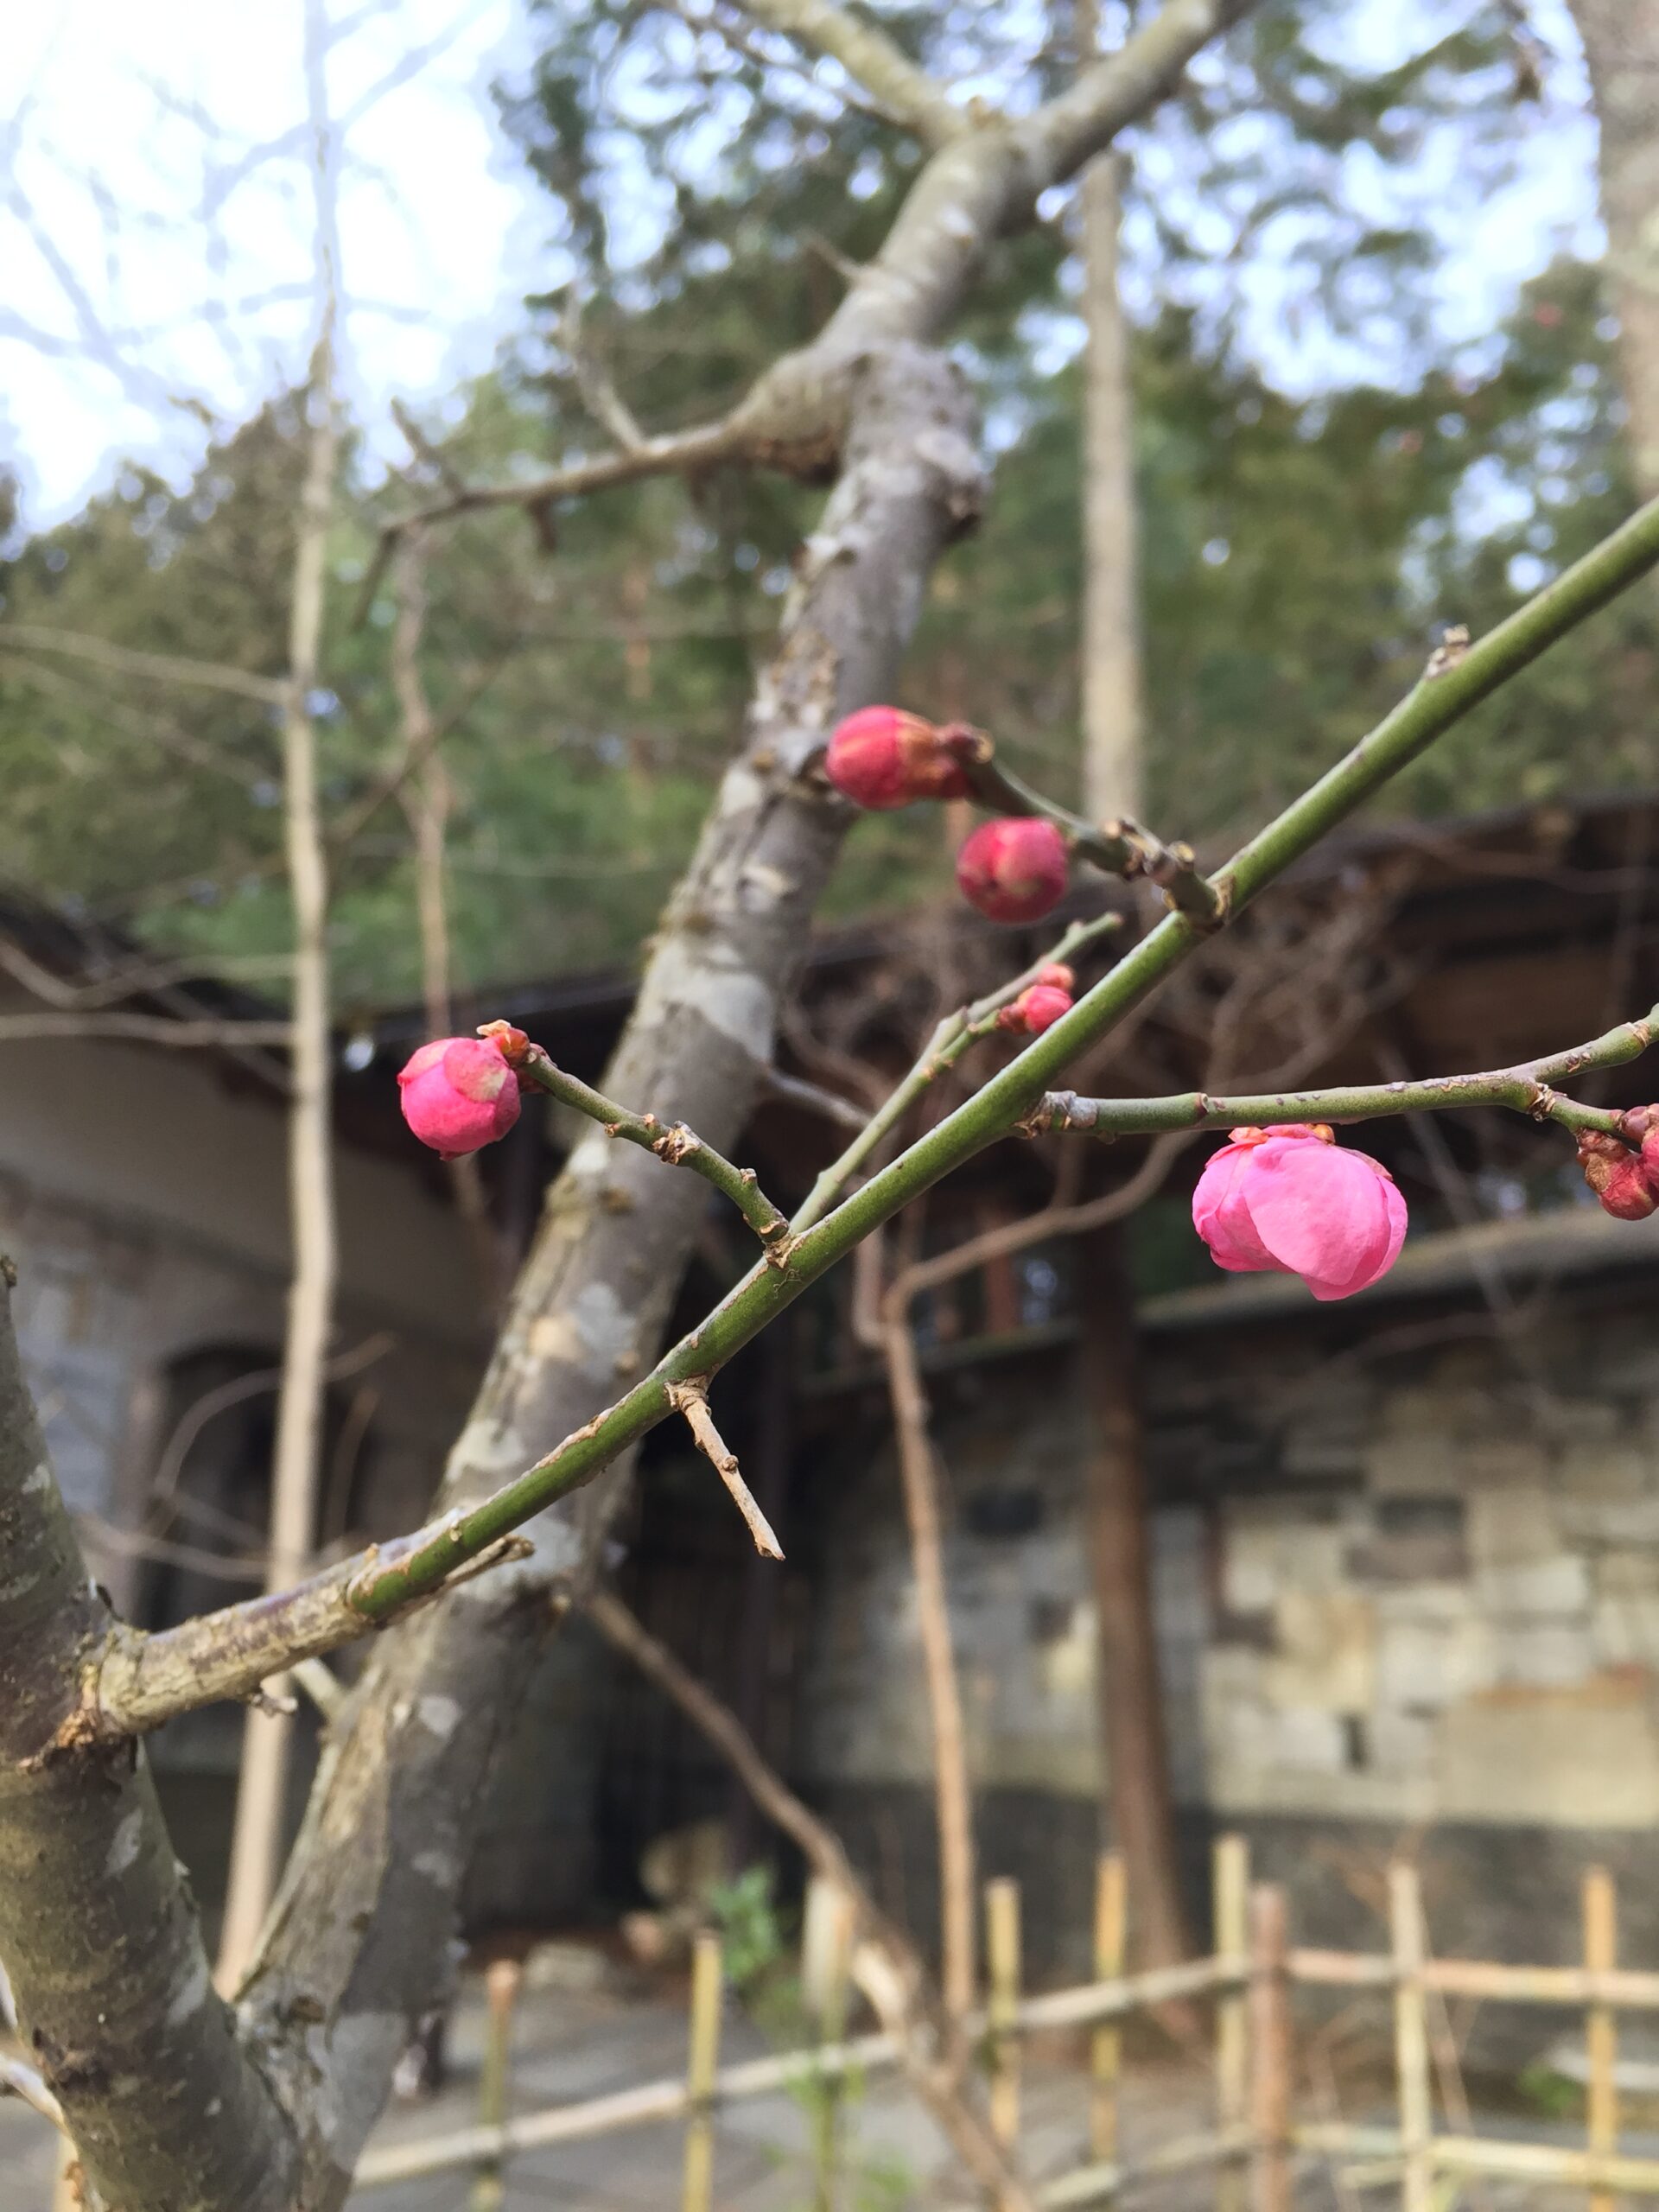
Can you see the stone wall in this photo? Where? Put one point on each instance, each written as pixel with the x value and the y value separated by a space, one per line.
pixel 1408 1582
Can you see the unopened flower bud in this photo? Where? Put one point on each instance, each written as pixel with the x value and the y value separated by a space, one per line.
pixel 1621 1179
pixel 1038 1006
pixel 1013 869
pixel 459 1093
pixel 1057 977
pixel 882 758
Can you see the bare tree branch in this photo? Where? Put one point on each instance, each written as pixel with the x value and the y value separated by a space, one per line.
pixel 871 59
pixel 691 1400
pixel 163 667
pixel 144 1029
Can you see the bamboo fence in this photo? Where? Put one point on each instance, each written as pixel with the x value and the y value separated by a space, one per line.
pixel 1255 2144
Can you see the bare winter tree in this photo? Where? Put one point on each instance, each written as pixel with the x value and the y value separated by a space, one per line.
pixel 176 2097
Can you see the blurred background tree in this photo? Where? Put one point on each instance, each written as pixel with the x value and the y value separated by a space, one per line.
pixel 1328 466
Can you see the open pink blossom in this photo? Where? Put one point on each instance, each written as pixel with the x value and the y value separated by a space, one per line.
pixel 1288 1200
pixel 459 1093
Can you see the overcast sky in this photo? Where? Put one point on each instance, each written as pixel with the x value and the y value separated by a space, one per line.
pixel 155 228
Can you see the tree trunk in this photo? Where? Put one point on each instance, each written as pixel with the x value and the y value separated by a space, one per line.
pixel 1112 768
pixel 1120 1562
pixel 95 1924
pixel 363 1924
pixel 1621 44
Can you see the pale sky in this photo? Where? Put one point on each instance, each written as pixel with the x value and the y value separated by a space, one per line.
pixel 155 223
pixel 155 217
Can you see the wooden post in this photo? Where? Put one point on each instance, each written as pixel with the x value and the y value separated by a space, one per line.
pixel 1600 2026
pixel 1408 1947
pixel 1268 2002
pixel 826 1960
pixel 1110 1928
pixel 698 2190
pixel 1002 1968
pixel 502 1979
pixel 1230 1885
pixel 1129 1684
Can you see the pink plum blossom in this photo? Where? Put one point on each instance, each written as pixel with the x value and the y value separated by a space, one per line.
pixel 1288 1200
pixel 459 1093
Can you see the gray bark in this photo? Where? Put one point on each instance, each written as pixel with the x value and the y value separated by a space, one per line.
pixel 1621 44
pixel 363 1924
pixel 99 1934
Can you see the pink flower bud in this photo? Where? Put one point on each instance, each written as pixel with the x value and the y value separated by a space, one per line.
pixel 1057 977
pixel 1624 1181
pixel 1038 1006
pixel 1290 1201
pixel 883 758
pixel 459 1093
pixel 1013 869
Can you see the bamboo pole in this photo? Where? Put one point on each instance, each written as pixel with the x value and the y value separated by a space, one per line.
pixel 1621 1989
pixel 1500 2157
pixel 1600 2026
pixel 502 1981
pixel 1230 1885
pixel 1106 2055
pixel 826 1958
pixel 698 2190
pixel 1270 2053
pixel 755 2077
pixel 1411 2038
pixel 1002 2013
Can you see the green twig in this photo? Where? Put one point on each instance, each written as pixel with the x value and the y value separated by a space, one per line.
pixel 1123 848
pixel 950 1040
pixel 671 1141
pixel 1525 1089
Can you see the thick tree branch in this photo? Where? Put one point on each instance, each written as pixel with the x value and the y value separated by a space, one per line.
pixel 97 1931
pixel 870 59
pixel 1076 123
pixel 392 1819
pixel 225 1654
pixel 1526 1088
pixel 982 182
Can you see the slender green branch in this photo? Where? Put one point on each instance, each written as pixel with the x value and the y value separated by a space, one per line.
pixel 225 1654
pixel 1526 1088
pixel 951 1040
pixel 1121 848
pixel 671 1141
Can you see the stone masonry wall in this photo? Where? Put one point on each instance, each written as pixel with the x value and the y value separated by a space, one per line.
pixel 1408 1595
